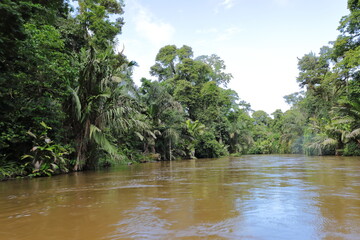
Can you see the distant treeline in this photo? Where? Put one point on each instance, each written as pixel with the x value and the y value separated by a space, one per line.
pixel 68 101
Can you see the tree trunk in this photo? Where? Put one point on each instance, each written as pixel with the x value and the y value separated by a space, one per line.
pixel 170 154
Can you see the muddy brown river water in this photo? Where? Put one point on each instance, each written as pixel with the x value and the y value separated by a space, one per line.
pixel 249 197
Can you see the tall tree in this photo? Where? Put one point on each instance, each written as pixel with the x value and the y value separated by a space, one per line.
pixel 34 71
pixel 165 115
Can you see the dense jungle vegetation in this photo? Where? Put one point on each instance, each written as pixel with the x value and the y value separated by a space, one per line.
pixel 68 101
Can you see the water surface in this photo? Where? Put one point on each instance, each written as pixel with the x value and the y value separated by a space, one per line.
pixel 250 197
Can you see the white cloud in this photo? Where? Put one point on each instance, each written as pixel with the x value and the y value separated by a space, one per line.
pixel 262 76
pixel 228 33
pixel 143 35
pixel 227 3
pixel 219 35
pixel 152 28
pixel 207 30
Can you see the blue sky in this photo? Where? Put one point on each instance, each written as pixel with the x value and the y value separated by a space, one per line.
pixel 259 40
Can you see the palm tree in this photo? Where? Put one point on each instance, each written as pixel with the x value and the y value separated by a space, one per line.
pixel 100 102
pixel 319 139
pixel 347 120
pixel 164 114
pixel 194 129
pixel 171 136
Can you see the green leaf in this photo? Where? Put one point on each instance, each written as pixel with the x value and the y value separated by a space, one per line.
pixel 76 101
pixel 140 136
pixel 45 126
pixel 26 156
pixel 100 138
pixel 31 134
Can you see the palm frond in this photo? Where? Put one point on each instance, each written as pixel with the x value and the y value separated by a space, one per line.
pixel 329 142
pixel 343 120
pixel 153 133
pixel 314 148
pixel 76 102
pixel 100 138
pixel 354 134
pixel 139 136
pixel 171 134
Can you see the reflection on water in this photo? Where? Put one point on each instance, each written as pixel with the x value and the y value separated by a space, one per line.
pixel 250 197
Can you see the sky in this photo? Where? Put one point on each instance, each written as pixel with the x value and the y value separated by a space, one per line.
pixel 259 40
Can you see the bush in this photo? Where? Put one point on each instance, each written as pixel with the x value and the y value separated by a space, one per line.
pixel 352 149
pixel 208 147
pixel 46 157
pixel 261 147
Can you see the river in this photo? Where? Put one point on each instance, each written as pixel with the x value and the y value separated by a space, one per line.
pixel 248 197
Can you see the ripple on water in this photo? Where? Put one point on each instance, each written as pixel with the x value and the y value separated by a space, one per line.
pixel 251 197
